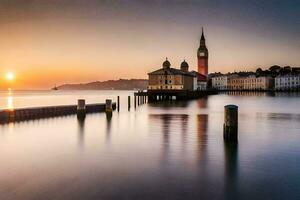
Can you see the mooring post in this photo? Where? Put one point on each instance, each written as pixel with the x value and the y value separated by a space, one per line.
pixel 81 111
pixel 108 107
pixel 118 102
pixel 230 132
pixel 128 102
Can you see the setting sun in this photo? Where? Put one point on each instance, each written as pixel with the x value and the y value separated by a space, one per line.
pixel 10 76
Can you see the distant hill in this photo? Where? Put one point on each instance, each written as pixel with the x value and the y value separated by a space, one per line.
pixel 121 84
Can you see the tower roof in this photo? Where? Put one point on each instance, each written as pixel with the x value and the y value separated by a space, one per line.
pixel 202 35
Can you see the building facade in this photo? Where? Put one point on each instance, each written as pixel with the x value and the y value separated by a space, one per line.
pixel 287 82
pixel 168 78
pixel 258 83
pixel 236 83
pixel 220 82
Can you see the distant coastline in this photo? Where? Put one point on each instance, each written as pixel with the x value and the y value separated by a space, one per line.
pixel 121 84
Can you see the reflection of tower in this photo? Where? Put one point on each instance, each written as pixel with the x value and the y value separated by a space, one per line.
pixel 202 102
pixel 202 56
pixel 231 170
pixel 201 131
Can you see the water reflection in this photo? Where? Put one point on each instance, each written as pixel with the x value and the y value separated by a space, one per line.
pixel 278 116
pixel 169 104
pixel 184 123
pixel 202 103
pixel 170 122
pixel 108 126
pixel 10 103
pixel 231 170
pixel 81 123
pixel 202 121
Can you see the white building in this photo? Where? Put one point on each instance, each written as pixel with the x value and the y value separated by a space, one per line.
pixel 220 82
pixel 287 82
pixel 258 83
pixel 235 82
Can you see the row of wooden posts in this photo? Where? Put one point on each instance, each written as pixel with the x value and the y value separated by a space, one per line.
pixel 230 127
pixel 138 100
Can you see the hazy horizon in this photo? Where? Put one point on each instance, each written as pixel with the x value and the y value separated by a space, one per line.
pixel 57 42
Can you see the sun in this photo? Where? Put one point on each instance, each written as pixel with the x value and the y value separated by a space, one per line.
pixel 10 76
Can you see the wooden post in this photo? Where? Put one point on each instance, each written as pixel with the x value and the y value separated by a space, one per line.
pixel 128 102
pixel 230 132
pixel 108 106
pixel 138 97
pixel 118 102
pixel 134 101
pixel 81 111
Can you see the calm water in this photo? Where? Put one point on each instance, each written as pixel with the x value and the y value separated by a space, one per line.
pixel 158 151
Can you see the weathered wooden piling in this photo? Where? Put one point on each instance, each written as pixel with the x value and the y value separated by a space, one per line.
pixel 128 102
pixel 118 103
pixel 81 111
pixel 230 132
pixel 134 101
pixel 108 106
pixel 138 100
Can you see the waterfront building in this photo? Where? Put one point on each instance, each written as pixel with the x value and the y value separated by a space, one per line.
pixel 200 82
pixel 287 82
pixel 202 55
pixel 236 83
pixel 258 83
pixel 168 78
pixel 220 82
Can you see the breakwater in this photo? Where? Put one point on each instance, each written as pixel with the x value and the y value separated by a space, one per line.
pixel 21 114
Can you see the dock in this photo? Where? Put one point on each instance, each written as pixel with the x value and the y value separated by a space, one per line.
pixel 22 114
pixel 161 95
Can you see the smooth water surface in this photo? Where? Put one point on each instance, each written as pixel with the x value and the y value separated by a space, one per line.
pixel 169 150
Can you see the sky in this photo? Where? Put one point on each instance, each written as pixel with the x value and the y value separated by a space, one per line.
pixel 48 42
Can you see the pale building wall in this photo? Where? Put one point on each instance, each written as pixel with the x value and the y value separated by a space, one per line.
pixel 165 82
pixel 220 82
pixel 201 85
pixel 288 82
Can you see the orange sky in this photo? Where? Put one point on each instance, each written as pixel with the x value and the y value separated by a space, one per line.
pixel 100 42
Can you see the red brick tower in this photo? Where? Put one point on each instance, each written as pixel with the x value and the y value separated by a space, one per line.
pixel 202 55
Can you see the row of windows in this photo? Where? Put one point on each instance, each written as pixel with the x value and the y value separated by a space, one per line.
pixel 166 81
pixel 288 83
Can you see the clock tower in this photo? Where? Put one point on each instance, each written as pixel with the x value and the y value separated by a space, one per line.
pixel 202 55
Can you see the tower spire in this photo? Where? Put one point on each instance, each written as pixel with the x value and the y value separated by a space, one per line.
pixel 202 35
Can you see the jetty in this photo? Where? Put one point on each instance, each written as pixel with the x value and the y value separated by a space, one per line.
pixel 161 95
pixel 22 114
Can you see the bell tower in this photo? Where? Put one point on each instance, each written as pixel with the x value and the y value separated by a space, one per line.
pixel 202 55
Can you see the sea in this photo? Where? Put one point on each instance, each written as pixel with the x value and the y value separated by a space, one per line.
pixel 163 150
